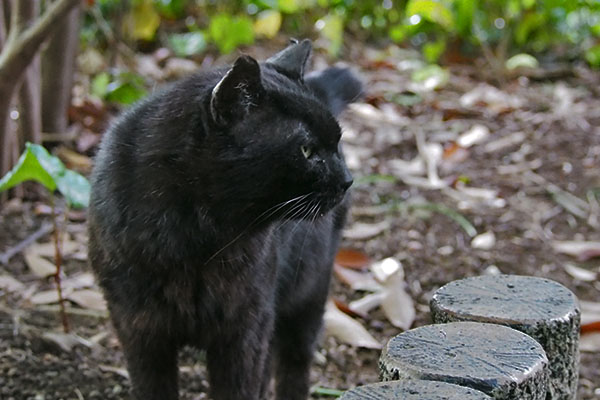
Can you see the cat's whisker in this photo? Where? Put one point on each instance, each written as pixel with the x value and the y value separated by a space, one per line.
pixel 266 214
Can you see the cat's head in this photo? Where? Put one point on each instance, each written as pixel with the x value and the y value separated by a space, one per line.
pixel 276 137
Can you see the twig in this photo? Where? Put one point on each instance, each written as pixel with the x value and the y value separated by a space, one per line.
pixel 58 263
pixel 8 254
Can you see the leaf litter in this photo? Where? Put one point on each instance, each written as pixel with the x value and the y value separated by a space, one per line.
pixel 424 195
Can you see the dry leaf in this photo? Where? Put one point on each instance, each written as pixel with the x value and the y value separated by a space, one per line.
pixel 345 308
pixel 88 298
pixel 398 306
pixel 349 258
pixel 355 279
pixel 119 371
pixel 590 342
pixel 477 134
pixel 581 274
pixel 10 284
pixel 590 312
pixel 385 268
pixel 79 281
pixel 45 297
pixel 583 250
pixel 346 329
pixel 362 231
pixel 367 303
pixel 47 249
pixel 39 266
pixel 66 341
pixel 484 241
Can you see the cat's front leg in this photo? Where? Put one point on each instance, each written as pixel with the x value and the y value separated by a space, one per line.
pixel 295 338
pixel 151 362
pixel 237 359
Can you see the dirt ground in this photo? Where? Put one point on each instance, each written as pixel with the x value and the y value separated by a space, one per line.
pixel 534 168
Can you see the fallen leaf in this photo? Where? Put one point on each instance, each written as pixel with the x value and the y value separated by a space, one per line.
pixel 581 274
pixel 346 329
pixel 385 268
pixel 119 371
pixel 581 249
pixel 355 279
pixel 10 284
pixel 484 241
pixel 590 342
pixel 40 267
pixel 590 312
pixel 74 160
pixel 367 303
pixel 345 308
pixel 66 341
pixel 398 306
pixel 477 134
pixel 47 296
pixel 349 258
pixel 362 231
pixel 68 247
pixel 88 298
pixel 79 281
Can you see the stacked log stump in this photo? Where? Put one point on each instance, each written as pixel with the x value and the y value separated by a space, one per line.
pixel 500 337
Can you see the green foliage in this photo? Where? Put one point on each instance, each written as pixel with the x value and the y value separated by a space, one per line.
pixel 187 44
pixel 36 164
pixel 125 88
pixel 507 27
pixel 228 32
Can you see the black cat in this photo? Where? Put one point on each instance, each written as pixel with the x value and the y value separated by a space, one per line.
pixel 216 211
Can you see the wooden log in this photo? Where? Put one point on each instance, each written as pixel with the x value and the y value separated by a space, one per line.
pixel 541 308
pixel 413 390
pixel 503 363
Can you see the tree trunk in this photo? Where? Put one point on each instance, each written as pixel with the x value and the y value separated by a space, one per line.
pixel 58 68
pixel 30 114
pixel 19 49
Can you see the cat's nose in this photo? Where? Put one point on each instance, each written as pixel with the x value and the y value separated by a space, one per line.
pixel 347 183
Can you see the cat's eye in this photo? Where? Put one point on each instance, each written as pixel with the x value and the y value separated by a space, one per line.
pixel 306 151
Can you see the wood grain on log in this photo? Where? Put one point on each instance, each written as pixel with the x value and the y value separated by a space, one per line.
pixel 541 308
pixel 413 390
pixel 499 361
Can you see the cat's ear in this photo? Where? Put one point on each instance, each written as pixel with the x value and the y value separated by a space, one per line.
pixel 237 91
pixel 292 60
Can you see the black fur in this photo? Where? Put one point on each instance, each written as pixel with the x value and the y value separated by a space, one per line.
pixel 209 227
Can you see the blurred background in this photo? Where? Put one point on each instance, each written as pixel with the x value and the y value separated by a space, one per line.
pixel 475 151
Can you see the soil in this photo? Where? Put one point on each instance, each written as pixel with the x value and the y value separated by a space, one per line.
pixel 558 144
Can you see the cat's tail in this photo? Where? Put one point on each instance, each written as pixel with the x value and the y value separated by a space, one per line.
pixel 336 86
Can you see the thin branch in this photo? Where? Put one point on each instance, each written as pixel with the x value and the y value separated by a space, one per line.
pixel 23 45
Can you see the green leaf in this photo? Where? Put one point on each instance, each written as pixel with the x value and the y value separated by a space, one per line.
pixel 126 89
pixel 230 32
pixel 142 21
pixel 433 11
pixel 38 165
pixel 100 84
pixel 592 56
pixel 398 33
pixel 75 188
pixel 323 391
pixel 187 44
pixel 333 31
pixel 431 77
pixel 267 23
pixel 432 51
pixel 29 167
pixel 171 8
pixel 522 61
pixel 465 10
